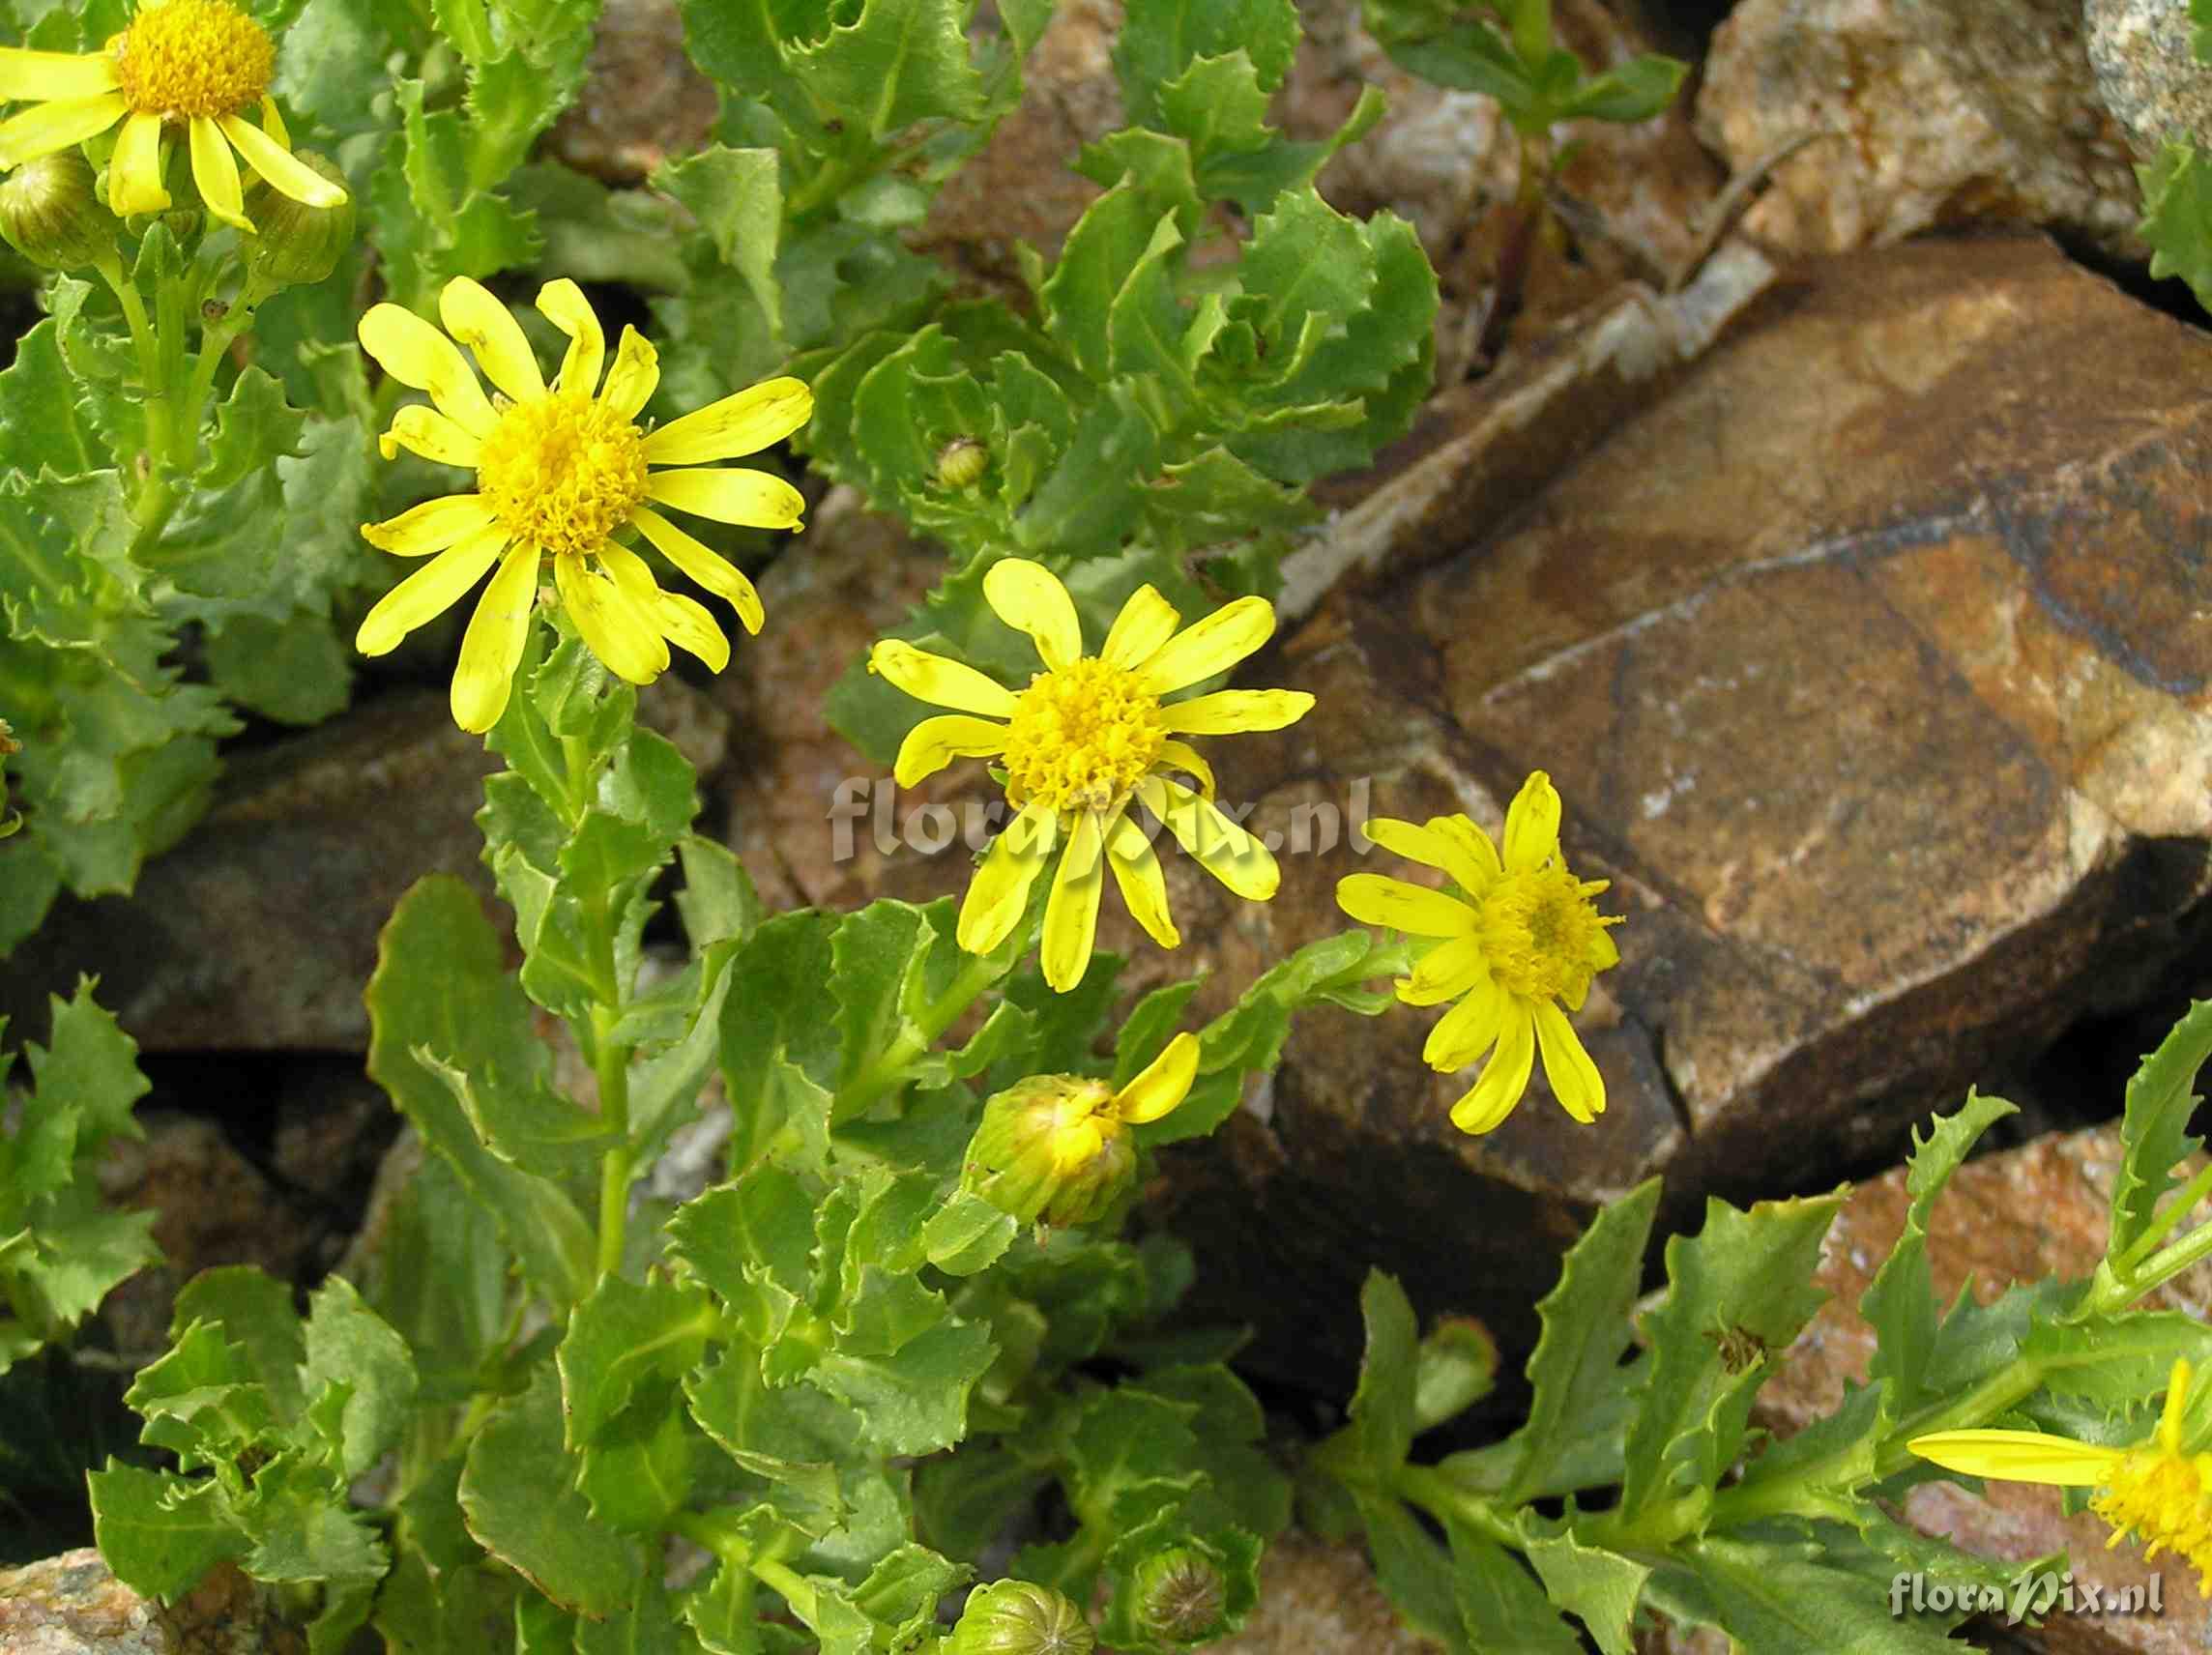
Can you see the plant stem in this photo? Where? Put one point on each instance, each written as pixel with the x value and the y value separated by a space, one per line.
pixel 156 498
pixel 978 973
pixel 1437 1495
pixel 2174 1214
pixel 610 1062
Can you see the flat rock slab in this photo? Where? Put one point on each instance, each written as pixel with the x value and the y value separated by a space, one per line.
pixel 1872 664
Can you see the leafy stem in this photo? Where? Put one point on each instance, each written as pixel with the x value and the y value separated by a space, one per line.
pixel 976 972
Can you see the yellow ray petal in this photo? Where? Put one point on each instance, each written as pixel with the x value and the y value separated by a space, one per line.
pixel 45 128
pixel 1161 1085
pixel 636 375
pixel 1477 867
pixel 1071 911
pixel 940 682
pixel 429 592
pixel 1209 646
pixel 1504 1078
pixel 1227 711
pixel 1376 899
pixel 488 328
pixel 414 353
pixel 1147 622
pixel 750 498
pixel 1433 846
pixel 2019 1457
pixel 701 563
pixel 1029 597
pixel 1000 890
pixel 1223 848
pixel 50 77
pixel 630 573
pixel 281 169
pixel 687 624
pixel 562 303
pixel 1144 888
pixel 1567 1065
pixel 1533 825
pixel 935 743
pixel 431 527
pixel 1445 973
pixel 214 170
pixel 742 425
pixel 134 170
pixel 632 648
pixel 429 433
pixel 493 647
pixel 1180 756
pixel 273 125
pixel 1469 1029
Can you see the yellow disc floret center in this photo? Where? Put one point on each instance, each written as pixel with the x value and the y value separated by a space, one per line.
pixel 1541 933
pixel 194 57
pixel 562 472
pixel 2161 1496
pixel 1082 737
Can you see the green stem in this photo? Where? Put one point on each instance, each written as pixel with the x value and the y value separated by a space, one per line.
pixel 610 1061
pixel 2157 1270
pixel 796 1589
pixel 978 973
pixel 1442 1498
pixel 2174 1214
pixel 156 500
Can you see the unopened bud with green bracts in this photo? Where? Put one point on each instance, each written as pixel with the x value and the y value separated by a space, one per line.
pixel 297 243
pixel 1181 1596
pixel 1018 1617
pixel 961 461
pixel 1055 1148
pixel 51 213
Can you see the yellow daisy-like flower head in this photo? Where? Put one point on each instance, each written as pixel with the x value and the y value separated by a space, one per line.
pixel 1055 1148
pixel 1089 735
pixel 1520 945
pixel 2153 1489
pixel 559 468
pixel 201 65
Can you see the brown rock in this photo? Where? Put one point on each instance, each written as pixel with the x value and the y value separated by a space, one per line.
pixel 71 1605
pixel 2146 71
pixel 1318 1599
pixel 1920 112
pixel 258 933
pixel 642 100
pixel 2024 1215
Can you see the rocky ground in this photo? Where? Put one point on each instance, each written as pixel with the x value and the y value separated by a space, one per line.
pixel 1850 583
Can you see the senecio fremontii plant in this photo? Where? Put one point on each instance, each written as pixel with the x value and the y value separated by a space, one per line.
pixel 357 385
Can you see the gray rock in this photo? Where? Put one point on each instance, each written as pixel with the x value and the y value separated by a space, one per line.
pixel 2146 75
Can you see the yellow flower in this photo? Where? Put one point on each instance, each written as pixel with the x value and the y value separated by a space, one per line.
pixel 1089 734
pixel 559 469
pixel 1522 942
pixel 2152 1489
pixel 199 64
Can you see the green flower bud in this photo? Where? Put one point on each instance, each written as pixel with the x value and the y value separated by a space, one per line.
pixel 1181 1594
pixel 961 461
pixel 1458 1365
pixel 51 213
pixel 294 242
pixel 1051 1150
pixel 1017 1617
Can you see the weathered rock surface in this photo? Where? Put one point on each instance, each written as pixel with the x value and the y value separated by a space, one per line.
pixel 1318 1599
pixel 2147 74
pixel 642 103
pixel 71 1605
pixel 2024 1215
pixel 1920 112
pixel 258 933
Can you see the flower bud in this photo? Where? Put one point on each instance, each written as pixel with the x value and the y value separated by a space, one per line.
pixel 1181 1595
pixel 294 242
pixel 51 214
pixel 961 461
pixel 1457 1367
pixel 1051 1150
pixel 1017 1617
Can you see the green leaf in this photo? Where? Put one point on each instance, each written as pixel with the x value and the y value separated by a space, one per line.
pixel 1500 1604
pixel 2116 1361
pixel 1900 1302
pixel 879 960
pixel 913 1401
pixel 439 984
pixel 1414 1573
pixel 350 1346
pixel 254 427
pixel 963 1501
pixel 1383 1406
pixel 1576 1366
pixel 1769 1601
pixel 899 62
pixel 1743 1274
pixel 966 1235
pixel 295 671
pixel 305 1530
pixel 2154 1129
pixel 2177 215
pixel 1636 90
pixel 737 195
pixel 254 1311
pixel 161 1534
pixel 623 1337
pixel 521 1505
pixel 1160 38
pixel 1600 1587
